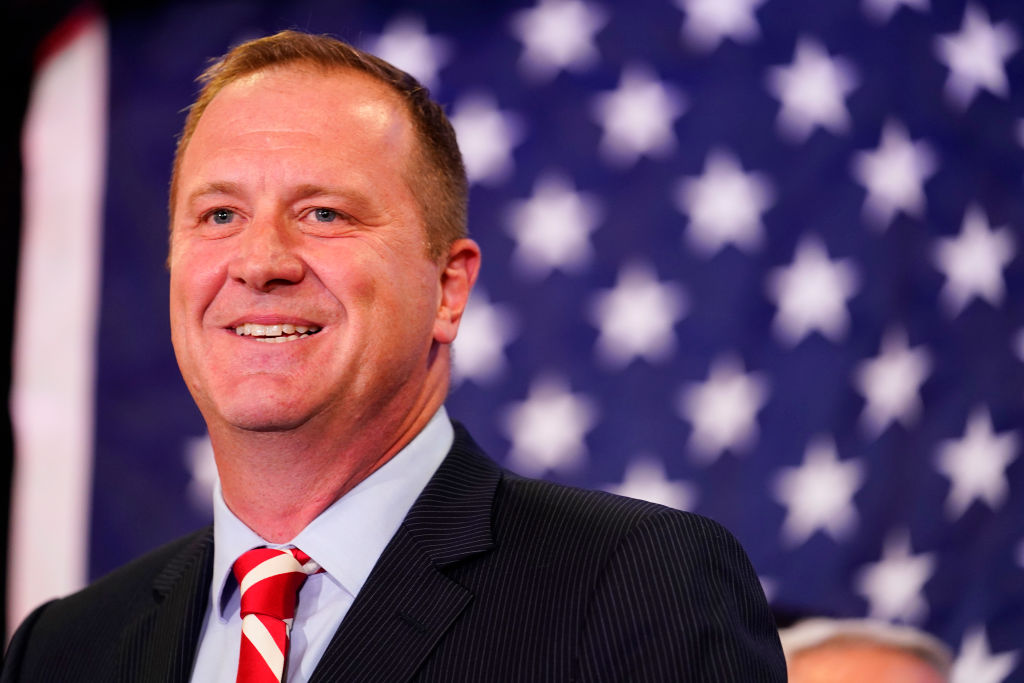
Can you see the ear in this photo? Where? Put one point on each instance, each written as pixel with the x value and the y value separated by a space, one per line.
pixel 457 278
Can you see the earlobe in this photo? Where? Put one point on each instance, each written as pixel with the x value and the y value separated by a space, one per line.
pixel 457 278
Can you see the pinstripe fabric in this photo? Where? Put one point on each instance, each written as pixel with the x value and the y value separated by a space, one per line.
pixel 520 580
pixel 491 577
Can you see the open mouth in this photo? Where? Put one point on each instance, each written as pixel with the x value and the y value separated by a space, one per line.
pixel 276 334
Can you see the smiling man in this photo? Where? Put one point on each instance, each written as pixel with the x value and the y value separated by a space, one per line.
pixel 292 208
pixel 319 268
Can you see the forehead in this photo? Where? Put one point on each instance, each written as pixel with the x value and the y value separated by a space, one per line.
pixel 327 111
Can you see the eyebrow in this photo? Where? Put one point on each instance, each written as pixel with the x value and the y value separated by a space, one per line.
pixel 313 190
pixel 358 201
pixel 217 187
pixel 304 191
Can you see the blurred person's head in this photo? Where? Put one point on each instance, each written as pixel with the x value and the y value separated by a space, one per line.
pixel 863 650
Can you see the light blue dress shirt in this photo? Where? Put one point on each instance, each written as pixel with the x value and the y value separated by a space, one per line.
pixel 346 540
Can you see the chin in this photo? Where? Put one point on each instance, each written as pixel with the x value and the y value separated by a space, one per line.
pixel 263 424
pixel 268 415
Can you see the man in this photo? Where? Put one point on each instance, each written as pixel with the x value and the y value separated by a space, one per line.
pixel 853 650
pixel 319 269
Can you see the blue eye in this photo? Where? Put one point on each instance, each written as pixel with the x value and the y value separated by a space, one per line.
pixel 222 216
pixel 325 215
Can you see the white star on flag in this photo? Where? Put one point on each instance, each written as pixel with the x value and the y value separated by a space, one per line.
pixel 548 428
pixel 891 382
pixel 976 57
pixel 894 176
pixel 709 22
pixel 973 262
pixel 406 44
pixel 558 35
pixel 977 664
pixel 484 332
pixel 637 118
pixel 894 585
pixel 724 205
pixel 818 495
pixel 811 294
pixel 552 228
pixel 812 91
pixel 637 317
pixel 976 464
pixel 881 11
pixel 723 410
pixel 486 137
pixel 645 479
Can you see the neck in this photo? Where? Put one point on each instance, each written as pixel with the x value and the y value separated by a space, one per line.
pixel 279 482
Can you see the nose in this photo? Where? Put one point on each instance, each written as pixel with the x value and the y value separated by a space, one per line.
pixel 267 257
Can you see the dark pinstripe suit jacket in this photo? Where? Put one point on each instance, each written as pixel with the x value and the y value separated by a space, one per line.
pixel 491 577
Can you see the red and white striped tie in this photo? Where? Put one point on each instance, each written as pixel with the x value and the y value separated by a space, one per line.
pixel 270 581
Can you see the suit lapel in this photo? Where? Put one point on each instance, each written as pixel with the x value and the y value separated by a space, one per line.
pixel 161 644
pixel 408 603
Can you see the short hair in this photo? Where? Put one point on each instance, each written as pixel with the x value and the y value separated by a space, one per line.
pixel 436 177
pixel 817 632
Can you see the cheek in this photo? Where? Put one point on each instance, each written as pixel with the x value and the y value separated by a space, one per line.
pixel 195 280
pixel 392 301
pixel 420 299
pixel 358 275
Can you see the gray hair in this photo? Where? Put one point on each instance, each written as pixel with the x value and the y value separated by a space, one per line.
pixel 812 633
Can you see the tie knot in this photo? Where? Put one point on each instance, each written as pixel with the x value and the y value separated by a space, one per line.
pixel 270 580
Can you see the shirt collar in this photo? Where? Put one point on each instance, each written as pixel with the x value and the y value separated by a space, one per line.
pixel 348 537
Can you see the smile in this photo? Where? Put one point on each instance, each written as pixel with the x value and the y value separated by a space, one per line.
pixel 275 334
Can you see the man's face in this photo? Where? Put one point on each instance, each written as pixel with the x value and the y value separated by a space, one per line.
pixel 300 285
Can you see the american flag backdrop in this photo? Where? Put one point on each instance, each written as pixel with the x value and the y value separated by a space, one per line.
pixel 758 259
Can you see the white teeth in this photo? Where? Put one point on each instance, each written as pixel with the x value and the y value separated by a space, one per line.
pixel 278 340
pixel 275 333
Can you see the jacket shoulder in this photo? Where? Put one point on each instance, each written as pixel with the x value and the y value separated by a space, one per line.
pixel 596 513
pixel 140 579
pixel 66 634
pixel 538 504
pixel 669 595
